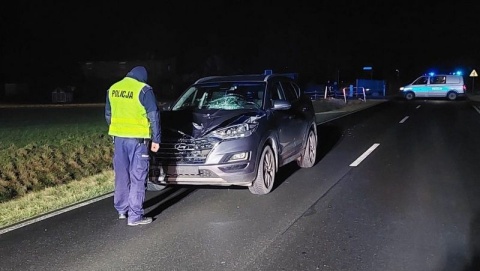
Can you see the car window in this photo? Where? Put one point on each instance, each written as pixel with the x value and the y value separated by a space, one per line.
pixel 289 91
pixel 277 92
pixel 296 88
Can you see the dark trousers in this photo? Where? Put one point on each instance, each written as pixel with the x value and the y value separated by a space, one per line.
pixel 131 164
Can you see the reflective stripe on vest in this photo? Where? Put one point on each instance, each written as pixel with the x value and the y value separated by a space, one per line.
pixel 129 117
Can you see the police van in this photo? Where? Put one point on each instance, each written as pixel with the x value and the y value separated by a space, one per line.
pixel 448 86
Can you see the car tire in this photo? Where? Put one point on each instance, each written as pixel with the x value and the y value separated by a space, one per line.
pixel 264 181
pixel 452 96
pixel 409 96
pixel 309 153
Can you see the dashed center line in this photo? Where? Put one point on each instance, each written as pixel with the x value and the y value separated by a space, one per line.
pixel 364 155
pixel 404 119
pixel 477 108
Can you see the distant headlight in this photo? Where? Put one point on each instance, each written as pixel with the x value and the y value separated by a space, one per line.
pixel 236 131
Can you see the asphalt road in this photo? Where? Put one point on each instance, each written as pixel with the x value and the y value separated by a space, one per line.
pixel 411 204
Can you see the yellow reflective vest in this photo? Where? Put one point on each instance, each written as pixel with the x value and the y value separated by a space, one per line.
pixel 129 117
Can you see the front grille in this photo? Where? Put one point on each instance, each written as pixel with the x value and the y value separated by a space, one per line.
pixel 159 173
pixel 184 151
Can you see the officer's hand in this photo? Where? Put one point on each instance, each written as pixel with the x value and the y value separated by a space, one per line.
pixel 155 147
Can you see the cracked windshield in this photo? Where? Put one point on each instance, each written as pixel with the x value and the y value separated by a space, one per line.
pixel 230 96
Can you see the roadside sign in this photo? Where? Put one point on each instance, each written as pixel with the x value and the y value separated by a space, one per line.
pixel 473 74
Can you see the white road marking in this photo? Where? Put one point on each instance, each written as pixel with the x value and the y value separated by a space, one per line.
pixel 404 119
pixel 477 108
pixel 364 155
pixel 418 106
pixel 52 214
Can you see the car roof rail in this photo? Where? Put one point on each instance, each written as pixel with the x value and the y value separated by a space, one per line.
pixel 206 78
pixel 292 76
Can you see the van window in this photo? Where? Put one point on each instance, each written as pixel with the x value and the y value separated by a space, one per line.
pixel 454 80
pixel 421 81
pixel 438 79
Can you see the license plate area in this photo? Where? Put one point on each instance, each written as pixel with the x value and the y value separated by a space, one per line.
pixel 182 170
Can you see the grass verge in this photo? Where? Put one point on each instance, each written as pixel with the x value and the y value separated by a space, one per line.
pixel 54 198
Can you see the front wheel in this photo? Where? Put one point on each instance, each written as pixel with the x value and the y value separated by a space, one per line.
pixel 409 96
pixel 263 184
pixel 309 153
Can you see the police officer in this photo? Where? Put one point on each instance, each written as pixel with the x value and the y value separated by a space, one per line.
pixel 134 119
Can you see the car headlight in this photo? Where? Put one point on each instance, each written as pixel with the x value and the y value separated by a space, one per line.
pixel 235 131
pixel 402 88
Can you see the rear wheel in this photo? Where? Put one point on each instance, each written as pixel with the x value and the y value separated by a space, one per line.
pixel 309 153
pixel 263 184
pixel 409 96
pixel 452 95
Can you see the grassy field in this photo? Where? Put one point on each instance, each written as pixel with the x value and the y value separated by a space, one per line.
pixel 23 125
pixel 51 157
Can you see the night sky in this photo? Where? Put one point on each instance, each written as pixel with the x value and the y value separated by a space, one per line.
pixel 318 38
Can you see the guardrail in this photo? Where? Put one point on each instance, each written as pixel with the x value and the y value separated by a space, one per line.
pixel 355 93
pixel 346 92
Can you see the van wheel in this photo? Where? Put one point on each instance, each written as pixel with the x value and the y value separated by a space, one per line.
pixel 452 95
pixel 409 96
pixel 263 184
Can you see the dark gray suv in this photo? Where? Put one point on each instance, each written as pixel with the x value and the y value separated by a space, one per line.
pixel 235 130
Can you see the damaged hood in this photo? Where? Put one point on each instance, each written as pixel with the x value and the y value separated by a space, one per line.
pixel 198 123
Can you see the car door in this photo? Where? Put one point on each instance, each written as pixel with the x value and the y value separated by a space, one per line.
pixel 284 122
pixel 290 122
pixel 298 113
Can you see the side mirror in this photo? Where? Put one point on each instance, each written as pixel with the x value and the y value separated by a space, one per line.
pixel 281 105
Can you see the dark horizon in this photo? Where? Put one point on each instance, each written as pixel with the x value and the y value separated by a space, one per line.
pixel 47 40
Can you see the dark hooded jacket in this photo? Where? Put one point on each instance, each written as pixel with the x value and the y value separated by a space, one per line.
pixel 147 99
